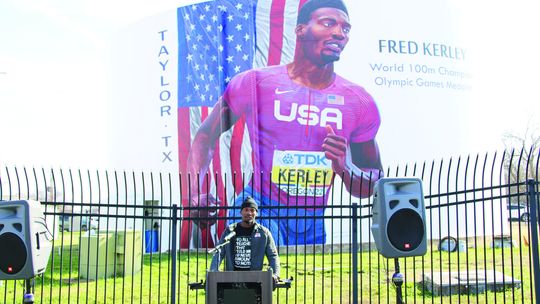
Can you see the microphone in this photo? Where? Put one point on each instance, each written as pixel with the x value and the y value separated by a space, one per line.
pixel 229 236
pixel 225 240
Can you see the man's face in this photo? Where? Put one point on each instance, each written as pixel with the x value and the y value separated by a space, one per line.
pixel 324 37
pixel 248 215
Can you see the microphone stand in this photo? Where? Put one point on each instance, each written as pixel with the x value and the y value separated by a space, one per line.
pixel 397 279
pixel 29 291
pixel 213 251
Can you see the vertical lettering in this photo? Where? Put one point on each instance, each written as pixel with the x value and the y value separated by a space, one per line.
pixel 164 64
pixel 162 34
pixel 163 82
pixel 164 96
pixel 165 109
pixel 163 50
pixel 166 138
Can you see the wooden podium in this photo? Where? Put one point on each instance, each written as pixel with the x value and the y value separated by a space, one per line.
pixel 225 287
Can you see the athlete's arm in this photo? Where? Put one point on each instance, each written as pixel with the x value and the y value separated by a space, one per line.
pixel 366 157
pixel 359 164
pixel 220 120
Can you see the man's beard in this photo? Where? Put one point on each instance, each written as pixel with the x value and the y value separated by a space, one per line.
pixel 326 59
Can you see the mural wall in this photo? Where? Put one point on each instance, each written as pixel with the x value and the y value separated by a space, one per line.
pixel 218 90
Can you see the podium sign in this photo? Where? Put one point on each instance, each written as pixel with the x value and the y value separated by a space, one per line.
pixel 239 287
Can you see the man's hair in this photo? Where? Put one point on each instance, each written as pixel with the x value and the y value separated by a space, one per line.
pixel 304 15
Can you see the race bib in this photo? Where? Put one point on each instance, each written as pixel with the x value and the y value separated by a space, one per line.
pixel 301 172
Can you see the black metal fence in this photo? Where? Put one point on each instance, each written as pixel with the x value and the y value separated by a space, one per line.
pixel 131 237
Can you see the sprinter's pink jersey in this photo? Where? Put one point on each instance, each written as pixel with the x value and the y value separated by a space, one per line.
pixel 287 127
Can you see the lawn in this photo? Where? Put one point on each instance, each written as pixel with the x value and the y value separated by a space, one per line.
pixel 318 278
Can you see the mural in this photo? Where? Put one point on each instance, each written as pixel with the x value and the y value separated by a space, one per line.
pixel 302 119
pixel 257 98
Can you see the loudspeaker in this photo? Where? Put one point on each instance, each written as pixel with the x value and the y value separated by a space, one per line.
pixel 399 226
pixel 25 240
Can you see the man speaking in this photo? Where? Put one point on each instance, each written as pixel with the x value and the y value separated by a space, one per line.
pixel 249 244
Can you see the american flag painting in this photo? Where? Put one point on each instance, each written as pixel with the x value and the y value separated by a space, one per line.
pixel 217 40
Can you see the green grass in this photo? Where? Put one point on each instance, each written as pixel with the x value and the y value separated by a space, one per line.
pixel 318 278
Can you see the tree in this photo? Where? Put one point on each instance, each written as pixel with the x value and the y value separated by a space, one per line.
pixel 521 161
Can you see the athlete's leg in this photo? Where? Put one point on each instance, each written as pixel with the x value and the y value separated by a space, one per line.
pixel 305 227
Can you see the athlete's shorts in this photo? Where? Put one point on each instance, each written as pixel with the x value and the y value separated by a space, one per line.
pixel 288 225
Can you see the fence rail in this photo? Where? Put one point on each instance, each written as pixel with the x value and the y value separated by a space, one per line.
pixel 132 237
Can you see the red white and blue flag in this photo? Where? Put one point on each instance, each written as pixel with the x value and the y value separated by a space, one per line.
pixel 217 40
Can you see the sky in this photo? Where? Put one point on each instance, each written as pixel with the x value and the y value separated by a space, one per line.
pixel 507 63
pixel 53 55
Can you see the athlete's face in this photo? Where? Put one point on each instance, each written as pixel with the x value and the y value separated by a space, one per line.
pixel 248 215
pixel 324 37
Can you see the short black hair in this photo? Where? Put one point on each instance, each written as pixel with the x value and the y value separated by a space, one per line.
pixel 304 15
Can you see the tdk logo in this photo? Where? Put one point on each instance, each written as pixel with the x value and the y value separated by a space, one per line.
pixel 288 159
pixel 310 115
pixel 305 159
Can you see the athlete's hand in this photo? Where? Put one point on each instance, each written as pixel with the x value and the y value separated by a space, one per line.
pixel 205 209
pixel 335 149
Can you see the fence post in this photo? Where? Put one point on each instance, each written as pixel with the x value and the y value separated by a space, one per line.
pixel 173 250
pixel 531 193
pixel 355 252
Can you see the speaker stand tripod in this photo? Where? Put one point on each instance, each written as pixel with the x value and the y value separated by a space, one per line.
pixel 397 279
pixel 29 291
